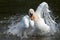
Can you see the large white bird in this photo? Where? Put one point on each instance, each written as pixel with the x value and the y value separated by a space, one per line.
pixel 42 20
pixel 39 23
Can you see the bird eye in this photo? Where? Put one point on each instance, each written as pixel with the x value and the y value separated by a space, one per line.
pixel 31 14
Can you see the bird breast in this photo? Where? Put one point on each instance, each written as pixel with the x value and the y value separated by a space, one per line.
pixel 40 25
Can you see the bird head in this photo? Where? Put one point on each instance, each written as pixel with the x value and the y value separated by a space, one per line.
pixel 32 14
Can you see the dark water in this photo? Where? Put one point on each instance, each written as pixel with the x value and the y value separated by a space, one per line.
pixel 15 8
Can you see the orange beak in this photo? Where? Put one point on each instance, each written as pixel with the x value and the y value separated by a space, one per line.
pixel 31 17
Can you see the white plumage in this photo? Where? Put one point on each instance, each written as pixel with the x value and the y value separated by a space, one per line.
pixel 42 20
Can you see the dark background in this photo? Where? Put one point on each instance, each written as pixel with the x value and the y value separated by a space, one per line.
pixel 13 7
pixel 10 8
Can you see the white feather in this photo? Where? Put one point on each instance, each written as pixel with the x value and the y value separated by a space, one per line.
pixel 45 22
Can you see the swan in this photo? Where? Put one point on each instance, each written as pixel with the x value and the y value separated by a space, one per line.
pixel 44 12
pixel 42 20
pixel 39 23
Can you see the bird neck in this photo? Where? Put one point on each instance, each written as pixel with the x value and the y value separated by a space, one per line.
pixel 36 18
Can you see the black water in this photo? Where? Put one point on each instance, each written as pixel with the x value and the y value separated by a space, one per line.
pixel 15 8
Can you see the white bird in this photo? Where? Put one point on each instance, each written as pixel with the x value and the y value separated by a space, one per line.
pixel 39 23
pixel 42 20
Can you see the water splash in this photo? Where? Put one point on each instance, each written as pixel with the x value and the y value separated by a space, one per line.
pixel 18 26
pixel 44 12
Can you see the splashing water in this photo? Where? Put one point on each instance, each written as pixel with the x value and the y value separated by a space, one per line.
pixel 20 27
pixel 43 11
